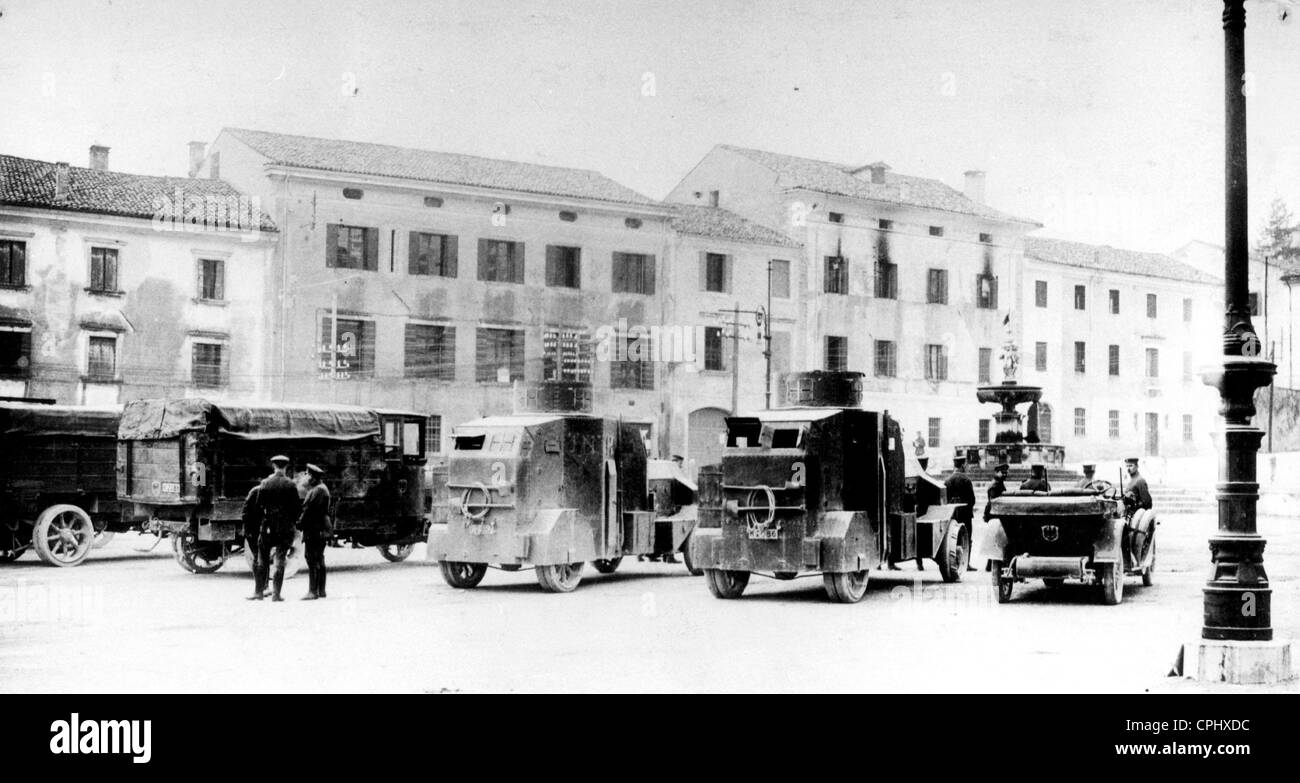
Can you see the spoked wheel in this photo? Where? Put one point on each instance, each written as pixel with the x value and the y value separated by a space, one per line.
pixel 462 575
pixel 102 537
pixel 726 584
pixel 686 559
pixel 1112 583
pixel 559 578
pixel 396 553
pixel 607 566
pixel 954 552
pixel 1149 573
pixel 847 587
pixel 198 557
pixel 1000 583
pixel 63 535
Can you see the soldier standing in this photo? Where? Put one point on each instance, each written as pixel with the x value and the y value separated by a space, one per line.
pixel 961 491
pixel 1137 501
pixel 252 517
pixel 279 503
pixel 1037 481
pixel 996 489
pixel 315 526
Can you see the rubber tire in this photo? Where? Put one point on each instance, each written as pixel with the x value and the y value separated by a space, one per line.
pixel 954 553
pixel 1148 574
pixel 1112 584
pixel 83 534
pixel 559 578
pixel 102 538
pixel 462 576
pixel 846 587
pixel 180 541
pixel 686 558
pixel 607 566
pixel 726 584
pixel 1003 587
pixel 395 553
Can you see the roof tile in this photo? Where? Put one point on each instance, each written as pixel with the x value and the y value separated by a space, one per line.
pixel 1111 259
pixel 718 223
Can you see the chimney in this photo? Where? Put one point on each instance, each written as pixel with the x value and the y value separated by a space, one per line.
pixel 196 157
pixel 878 170
pixel 61 177
pixel 974 189
pixel 99 157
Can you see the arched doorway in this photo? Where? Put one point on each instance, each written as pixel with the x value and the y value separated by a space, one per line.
pixel 706 431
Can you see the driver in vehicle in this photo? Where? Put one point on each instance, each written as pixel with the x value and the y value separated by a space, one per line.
pixel 1137 502
pixel 1089 476
pixel 1037 481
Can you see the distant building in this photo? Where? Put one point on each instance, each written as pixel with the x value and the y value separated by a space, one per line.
pixel 115 286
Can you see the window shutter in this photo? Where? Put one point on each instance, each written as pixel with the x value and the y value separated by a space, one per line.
pixel 618 281
pixel 516 262
pixel 648 282
pixel 201 273
pixel 450 254
pixel 372 249
pixel 331 244
pixel 220 284
pixel 727 265
pixel 704 271
pixel 96 271
pixel 552 265
pixel 413 253
pixel 482 259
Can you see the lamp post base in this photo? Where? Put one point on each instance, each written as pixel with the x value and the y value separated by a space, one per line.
pixel 1239 663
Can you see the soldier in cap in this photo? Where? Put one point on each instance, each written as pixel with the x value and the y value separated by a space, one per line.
pixel 314 522
pixel 1037 481
pixel 277 498
pixel 996 489
pixel 252 518
pixel 962 492
pixel 1137 502
pixel 1089 476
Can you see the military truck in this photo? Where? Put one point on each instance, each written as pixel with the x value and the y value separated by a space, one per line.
pixel 58 488
pixel 186 465
pixel 820 486
pixel 550 487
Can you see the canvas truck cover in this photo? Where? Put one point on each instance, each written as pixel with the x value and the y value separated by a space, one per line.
pixel 157 419
pixel 18 418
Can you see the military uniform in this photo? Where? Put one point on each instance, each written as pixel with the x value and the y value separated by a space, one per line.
pixel 962 492
pixel 252 519
pixel 995 490
pixel 314 522
pixel 280 504
pixel 1137 500
pixel 1038 481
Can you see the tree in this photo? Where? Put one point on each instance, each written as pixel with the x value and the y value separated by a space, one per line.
pixel 1278 240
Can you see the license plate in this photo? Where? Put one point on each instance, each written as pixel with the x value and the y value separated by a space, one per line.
pixel 171 488
pixel 764 533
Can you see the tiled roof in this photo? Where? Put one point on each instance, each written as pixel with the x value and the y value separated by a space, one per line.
pixel 838 179
pixel 31 183
pixel 383 160
pixel 719 223
pixel 1110 259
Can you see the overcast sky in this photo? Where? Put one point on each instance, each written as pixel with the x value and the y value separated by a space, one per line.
pixel 1103 120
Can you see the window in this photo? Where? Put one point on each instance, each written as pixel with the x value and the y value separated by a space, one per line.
pixel 1114 301
pixel 633 365
pixel 563 266
pixel 837 275
pixel 986 292
pixel 353 354
pixel 986 238
pixel 566 355
pixel 634 273
pixel 101 358
pixel 430 352
pixel 432 201
pixel 837 353
pixel 984 431
pixel 500 261
pixel 499 355
pixel 1252 302
pixel 1187 307
pixel 886 280
pixel 1080 357
pixel 1187 428
pixel 568 216
pixel 1040 293
pixel 1188 375
pixel 936 286
pixel 780 279
pixel 986 365
pixel 1080 422
pixel 933 440
pixel 1151 305
pixel 433 435
pixel 1113 359
pixel 835 217
pixel 15 352
pixel 351 247
pixel 886 359
pixel 936 362
pixel 354 194
pixel 1112 424
pixel 1040 357
pixel 936 231
pixel 1080 297
pixel 103 270
pixel 886 224
pixel 433 254
pixel 207 367
pixel 212 279
pixel 716 273
pixel 13 263
pixel 714 352
pixel 714 198
pixel 1153 362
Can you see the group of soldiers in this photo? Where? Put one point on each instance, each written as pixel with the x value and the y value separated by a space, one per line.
pixel 274 512
pixel 1136 494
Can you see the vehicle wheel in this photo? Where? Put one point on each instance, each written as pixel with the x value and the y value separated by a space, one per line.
pixel 462 575
pixel 102 537
pixel 607 566
pixel 1001 584
pixel 197 557
pixel 1112 583
pixel 396 553
pixel 559 578
pixel 954 553
pixel 63 535
pixel 1149 573
pixel 726 584
pixel 847 587
pixel 1054 582
pixel 686 558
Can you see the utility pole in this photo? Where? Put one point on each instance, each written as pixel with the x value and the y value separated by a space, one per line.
pixel 767 342
pixel 735 360
pixel 763 319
